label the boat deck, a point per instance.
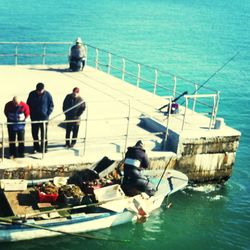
(110, 101)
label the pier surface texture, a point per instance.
(117, 115)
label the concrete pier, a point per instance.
(117, 115)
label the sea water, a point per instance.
(191, 39)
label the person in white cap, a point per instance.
(77, 56)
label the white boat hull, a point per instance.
(123, 211)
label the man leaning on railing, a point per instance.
(41, 106)
(73, 107)
(16, 112)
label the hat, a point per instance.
(76, 90)
(40, 86)
(78, 40)
(139, 144)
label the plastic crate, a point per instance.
(14, 184)
(108, 193)
(72, 200)
(42, 197)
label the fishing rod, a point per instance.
(217, 71)
(165, 169)
(175, 100)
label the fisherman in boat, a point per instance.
(77, 56)
(134, 182)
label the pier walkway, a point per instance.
(117, 115)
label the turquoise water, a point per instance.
(191, 39)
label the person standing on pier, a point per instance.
(16, 112)
(73, 107)
(41, 106)
(134, 182)
(77, 56)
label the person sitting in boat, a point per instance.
(134, 182)
(77, 56)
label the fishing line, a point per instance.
(217, 71)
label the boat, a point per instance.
(112, 208)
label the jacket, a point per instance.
(135, 159)
(16, 114)
(77, 52)
(70, 101)
(41, 106)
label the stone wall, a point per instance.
(207, 159)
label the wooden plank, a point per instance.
(20, 202)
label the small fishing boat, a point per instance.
(112, 207)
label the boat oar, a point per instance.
(68, 208)
(82, 236)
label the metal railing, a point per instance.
(143, 76)
(157, 81)
(84, 139)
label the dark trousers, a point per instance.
(74, 128)
(76, 64)
(134, 182)
(35, 128)
(12, 142)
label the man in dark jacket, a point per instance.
(134, 182)
(16, 112)
(73, 107)
(41, 106)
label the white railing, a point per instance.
(212, 113)
(167, 84)
(86, 138)
(144, 76)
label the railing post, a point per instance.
(86, 54)
(214, 110)
(174, 88)
(43, 139)
(2, 125)
(86, 129)
(156, 78)
(185, 112)
(138, 75)
(109, 62)
(217, 105)
(166, 132)
(16, 55)
(212, 119)
(96, 58)
(194, 100)
(44, 53)
(69, 52)
(123, 68)
(128, 123)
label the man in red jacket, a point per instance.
(16, 112)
